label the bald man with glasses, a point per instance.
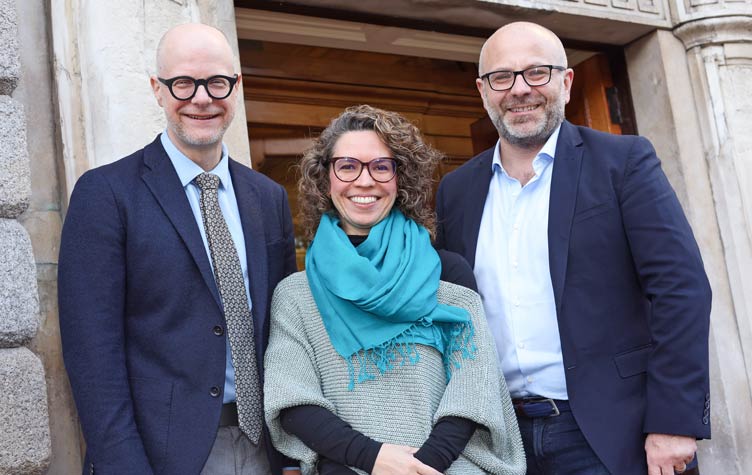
(168, 261)
(591, 279)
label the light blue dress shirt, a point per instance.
(514, 279)
(187, 170)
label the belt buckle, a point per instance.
(540, 400)
(553, 405)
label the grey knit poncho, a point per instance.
(399, 407)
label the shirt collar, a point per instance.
(187, 169)
(548, 151)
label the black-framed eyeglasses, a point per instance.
(183, 88)
(348, 169)
(534, 76)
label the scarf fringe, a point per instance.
(402, 350)
(461, 345)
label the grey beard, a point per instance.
(536, 138)
(185, 137)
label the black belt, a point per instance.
(229, 415)
(539, 407)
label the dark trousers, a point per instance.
(555, 446)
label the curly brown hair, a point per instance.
(416, 162)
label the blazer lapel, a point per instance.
(477, 191)
(248, 200)
(163, 181)
(564, 182)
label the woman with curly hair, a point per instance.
(379, 357)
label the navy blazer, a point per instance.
(632, 298)
(140, 315)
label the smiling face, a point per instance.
(195, 126)
(525, 116)
(363, 203)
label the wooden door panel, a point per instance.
(588, 103)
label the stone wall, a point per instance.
(25, 435)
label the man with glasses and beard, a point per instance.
(168, 261)
(591, 279)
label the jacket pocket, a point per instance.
(593, 211)
(633, 362)
(152, 402)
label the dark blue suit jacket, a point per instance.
(140, 315)
(632, 298)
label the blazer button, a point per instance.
(219, 331)
(214, 391)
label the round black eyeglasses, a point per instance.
(534, 77)
(183, 88)
(349, 169)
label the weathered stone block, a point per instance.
(10, 65)
(15, 177)
(19, 302)
(25, 434)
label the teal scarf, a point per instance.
(381, 297)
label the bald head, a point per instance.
(532, 39)
(189, 40)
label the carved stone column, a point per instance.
(690, 89)
(717, 36)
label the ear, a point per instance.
(568, 78)
(156, 88)
(479, 85)
(238, 85)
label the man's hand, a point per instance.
(668, 453)
(399, 460)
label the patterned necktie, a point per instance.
(229, 278)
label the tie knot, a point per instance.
(207, 181)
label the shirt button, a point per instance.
(529, 379)
(214, 391)
(520, 345)
(219, 331)
(515, 264)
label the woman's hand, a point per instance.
(399, 460)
